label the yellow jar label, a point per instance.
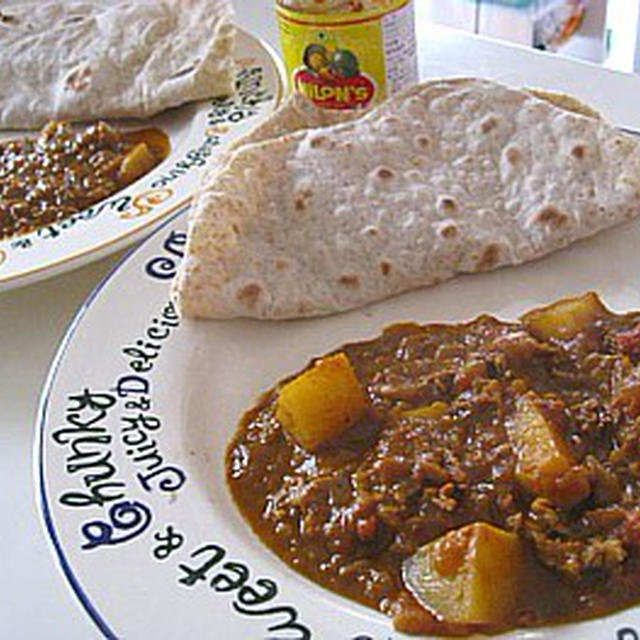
(350, 60)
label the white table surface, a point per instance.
(35, 601)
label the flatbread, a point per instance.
(89, 59)
(570, 103)
(298, 113)
(453, 176)
(295, 114)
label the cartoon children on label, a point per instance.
(331, 76)
(326, 59)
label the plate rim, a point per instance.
(111, 245)
(38, 464)
(39, 461)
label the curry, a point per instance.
(64, 171)
(460, 478)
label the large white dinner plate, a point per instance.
(196, 132)
(136, 415)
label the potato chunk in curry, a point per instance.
(545, 465)
(321, 403)
(566, 318)
(139, 161)
(469, 575)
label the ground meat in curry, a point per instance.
(63, 171)
(348, 513)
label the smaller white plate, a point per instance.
(196, 132)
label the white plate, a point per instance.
(124, 355)
(196, 132)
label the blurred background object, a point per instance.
(601, 31)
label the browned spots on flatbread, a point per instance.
(588, 193)
(513, 155)
(79, 80)
(302, 198)
(5, 18)
(249, 295)
(447, 204)
(322, 141)
(385, 173)
(318, 141)
(389, 123)
(372, 231)
(385, 267)
(235, 228)
(579, 151)
(281, 265)
(552, 216)
(449, 231)
(349, 281)
(488, 124)
(489, 258)
(422, 141)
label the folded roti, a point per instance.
(452, 176)
(295, 114)
(298, 112)
(89, 59)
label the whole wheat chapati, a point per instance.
(89, 59)
(453, 176)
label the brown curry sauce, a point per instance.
(348, 515)
(63, 171)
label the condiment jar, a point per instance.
(348, 54)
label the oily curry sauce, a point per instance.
(530, 427)
(65, 170)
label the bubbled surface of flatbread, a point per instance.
(448, 177)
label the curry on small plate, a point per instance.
(63, 171)
(74, 193)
